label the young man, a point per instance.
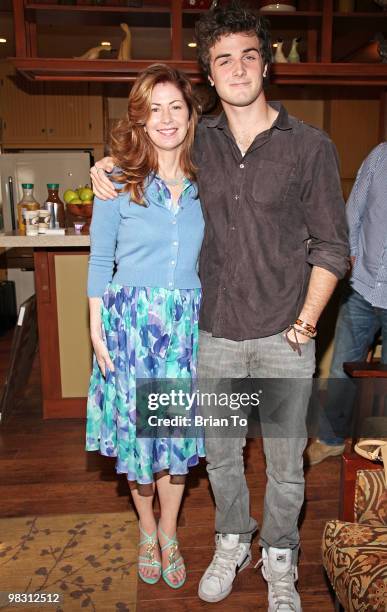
(275, 244)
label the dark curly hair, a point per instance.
(232, 19)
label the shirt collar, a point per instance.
(153, 180)
(282, 121)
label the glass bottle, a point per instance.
(27, 202)
(55, 205)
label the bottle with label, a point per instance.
(55, 205)
(27, 202)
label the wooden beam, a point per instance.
(327, 26)
(311, 39)
(177, 29)
(32, 38)
(19, 27)
(47, 69)
(383, 115)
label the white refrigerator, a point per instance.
(68, 168)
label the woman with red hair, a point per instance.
(144, 295)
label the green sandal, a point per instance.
(149, 559)
(174, 564)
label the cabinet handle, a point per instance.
(51, 130)
(43, 130)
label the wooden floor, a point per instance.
(45, 470)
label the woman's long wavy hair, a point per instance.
(130, 145)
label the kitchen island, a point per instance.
(64, 342)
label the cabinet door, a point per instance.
(22, 108)
(96, 113)
(67, 112)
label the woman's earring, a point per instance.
(265, 72)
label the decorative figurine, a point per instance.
(94, 52)
(382, 46)
(124, 52)
(279, 57)
(294, 56)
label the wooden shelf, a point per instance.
(198, 11)
(43, 69)
(319, 29)
(373, 15)
(86, 8)
(63, 69)
(293, 14)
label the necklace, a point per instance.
(173, 182)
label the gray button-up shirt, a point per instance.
(270, 216)
(367, 220)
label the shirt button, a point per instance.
(379, 284)
(233, 227)
(175, 243)
(241, 165)
(174, 222)
(173, 262)
(236, 197)
(170, 284)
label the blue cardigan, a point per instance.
(151, 246)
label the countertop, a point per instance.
(70, 239)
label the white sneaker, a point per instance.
(281, 575)
(231, 556)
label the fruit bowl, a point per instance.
(79, 212)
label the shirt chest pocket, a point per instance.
(272, 182)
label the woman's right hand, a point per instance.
(102, 355)
(102, 185)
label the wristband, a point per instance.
(304, 332)
(307, 327)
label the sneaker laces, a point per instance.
(223, 562)
(282, 585)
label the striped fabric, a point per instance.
(367, 220)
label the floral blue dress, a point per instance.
(150, 332)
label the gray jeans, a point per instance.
(263, 358)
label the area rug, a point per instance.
(89, 559)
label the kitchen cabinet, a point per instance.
(49, 114)
(22, 108)
(62, 308)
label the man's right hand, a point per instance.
(102, 185)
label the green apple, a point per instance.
(86, 194)
(76, 201)
(70, 195)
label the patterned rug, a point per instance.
(89, 559)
